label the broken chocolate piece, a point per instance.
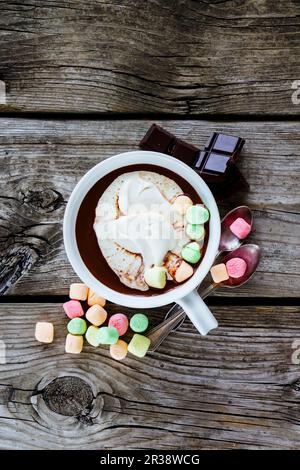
(215, 164)
(160, 140)
(185, 152)
(157, 139)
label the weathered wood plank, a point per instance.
(156, 56)
(41, 161)
(235, 388)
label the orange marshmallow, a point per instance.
(183, 272)
(44, 332)
(94, 298)
(74, 344)
(78, 291)
(118, 351)
(96, 315)
(219, 273)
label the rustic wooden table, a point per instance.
(84, 80)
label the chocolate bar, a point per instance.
(215, 164)
(212, 163)
(158, 139)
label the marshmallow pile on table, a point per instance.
(91, 325)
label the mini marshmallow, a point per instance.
(197, 214)
(78, 291)
(191, 252)
(107, 335)
(156, 277)
(139, 323)
(195, 232)
(94, 298)
(77, 326)
(44, 332)
(139, 345)
(118, 351)
(91, 336)
(181, 204)
(236, 267)
(240, 228)
(73, 309)
(120, 322)
(183, 272)
(96, 315)
(74, 344)
(219, 273)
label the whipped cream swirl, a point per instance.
(144, 226)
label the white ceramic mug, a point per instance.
(186, 294)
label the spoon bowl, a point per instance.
(229, 241)
(251, 255)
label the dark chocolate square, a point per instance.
(216, 163)
(157, 139)
(185, 152)
(226, 143)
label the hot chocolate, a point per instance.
(131, 225)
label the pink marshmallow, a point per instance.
(73, 309)
(236, 267)
(240, 228)
(120, 322)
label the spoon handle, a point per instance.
(160, 332)
(208, 290)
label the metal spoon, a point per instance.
(250, 253)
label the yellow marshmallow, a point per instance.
(182, 203)
(78, 291)
(74, 344)
(44, 332)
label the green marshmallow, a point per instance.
(156, 277)
(77, 326)
(195, 232)
(139, 323)
(191, 252)
(107, 335)
(139, 345)
(91, 336)
(197, 214)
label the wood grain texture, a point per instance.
(41, 161)
(235, 388)
(179, 56)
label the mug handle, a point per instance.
(198, 312)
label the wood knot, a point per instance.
(69, 396)
(15, 262)
(43, 200)
(295, 386)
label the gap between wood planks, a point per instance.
(211, 301)
(146, 116)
